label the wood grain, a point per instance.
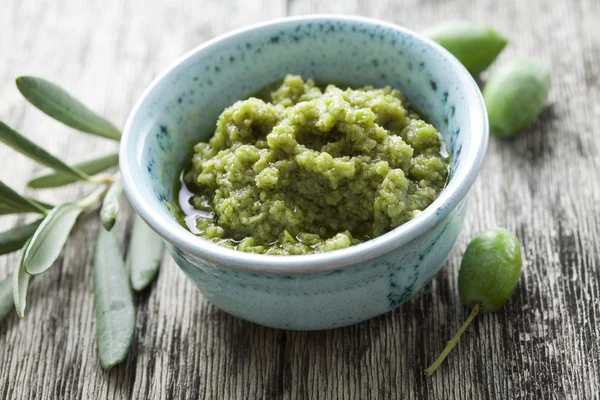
(544, 185)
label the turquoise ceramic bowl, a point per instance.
(316, 291)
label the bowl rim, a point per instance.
(449, 198)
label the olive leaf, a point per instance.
(47, 242)
(115, 312)
(60, 105)
(90, 167)
(20, 284)
(45, 205)
(111, 203)
(26, 147)
(12, 202)
(7, 304)
(13, 239)
(5, 210)
(144, 255)
(8, 209)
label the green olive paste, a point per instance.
(312, 170)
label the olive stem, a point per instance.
(92, 199)
(101, 178)
(431, 369)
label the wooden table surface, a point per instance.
(543, 185)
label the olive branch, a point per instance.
(40, 243)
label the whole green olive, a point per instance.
(515, 94)
(488, 275)
(490, 269)
(474, 44)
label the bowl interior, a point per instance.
(182, 106)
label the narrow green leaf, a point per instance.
(26, 147)
(44, 205)
(50, 237)
(115, 312)
(5, 210)
(12, 202)
(110, 206)
(20, 284)
(144, 255)
(14, 239)
(91, 167)
(60, 105)
(7, 302)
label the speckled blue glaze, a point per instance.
(316, 291)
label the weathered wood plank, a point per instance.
(543, 344)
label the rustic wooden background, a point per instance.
(544, 185)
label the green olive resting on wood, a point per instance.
(514, 96)
(474, 44)
(488, 275)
